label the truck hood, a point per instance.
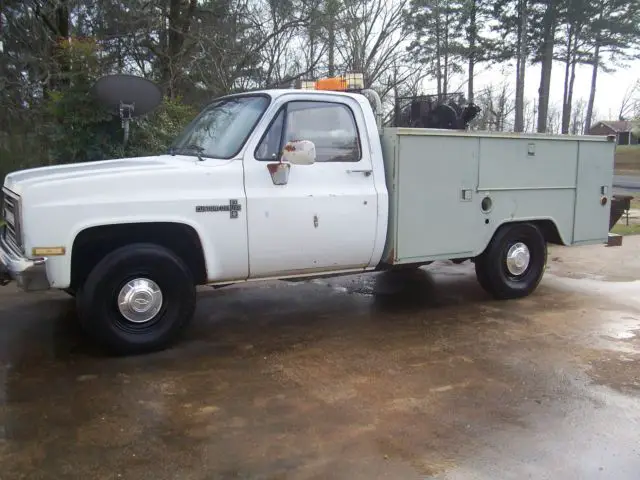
(18, 181)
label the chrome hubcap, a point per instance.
(518, 258)
(140, 300)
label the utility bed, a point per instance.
(450, 190)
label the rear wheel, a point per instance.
(514, 262)
(137, 299)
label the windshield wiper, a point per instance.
(188, 150)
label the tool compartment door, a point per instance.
(594, 181)
(436, 199)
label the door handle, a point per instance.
(366, 172)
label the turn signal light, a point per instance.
(48, 251)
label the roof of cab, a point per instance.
(278, 92)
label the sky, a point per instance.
(611, 87)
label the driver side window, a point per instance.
(330, 126)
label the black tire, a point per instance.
(98, 299)
(491, 267)
(481, 275)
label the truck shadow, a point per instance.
(418, 289)
(283, 315)
(275, 316)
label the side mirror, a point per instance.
(299, 152)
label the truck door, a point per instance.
(324, 217)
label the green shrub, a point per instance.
(153, 134)
(79, 129)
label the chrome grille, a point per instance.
(11, 215)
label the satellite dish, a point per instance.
(127, 96)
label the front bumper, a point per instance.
(29, 273)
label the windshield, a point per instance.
(221, 129)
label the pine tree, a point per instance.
(614, 35)
(435, 34)
(475, 46)
(547, 13)
(513, 26)
(573, 49)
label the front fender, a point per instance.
(59, 267)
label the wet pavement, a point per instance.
(402, 375)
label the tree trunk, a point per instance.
(331, 45)
(592, 93)
(472, 64)
(472, 50)
(331, 36)
(570, 98)
(521, 65)
(549, 28)
(62, 19)
(438, 54)
(179, 25)
(169, 54)
(62, 64)
(163, 40)
(312, 47)
(566, 103)
(445, 83)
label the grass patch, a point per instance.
(621, 229)
(628, 159)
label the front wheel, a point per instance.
(514, 262)
(137, 299)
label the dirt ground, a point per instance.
(402, 376)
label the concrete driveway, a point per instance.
(402, 376)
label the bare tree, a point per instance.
(630, 102)
(372, 37)
(530, 114)
(554, 119)
(577, 119)
(497, 107)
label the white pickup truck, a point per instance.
(288, 184)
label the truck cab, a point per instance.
(329, 216)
